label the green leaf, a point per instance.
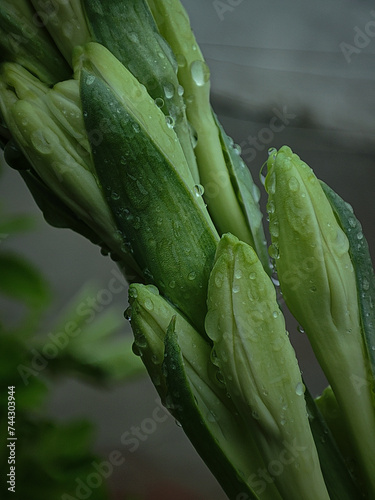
(22, 281)
(158, 215)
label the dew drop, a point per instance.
(181, 60)
(200, 73)
(272, 151)
(198, 190)
(192, 276)
(133, 37)
(90, 79)
(170, 121)
(169, 90)
(300, 329)
(255, 415)
(299, 389)
(149, 305)
(172, 284)
(273, 251)
(153, 289)
(235, 289)
(252, 276)
(293, 184)
(159, 102)
(238, 274)
(237, 149)
(115, 196)
(180, 90)
(219, 279)
(360, 236)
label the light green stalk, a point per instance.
(319, 286)
(220, 428)
(229, 191)
(260, 369)
(25, 41)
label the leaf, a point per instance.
(22, 281)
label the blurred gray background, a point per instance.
(313, 63)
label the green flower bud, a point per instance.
(229, 191)
(25, 41)
(316, 275)
(48, 126)
(66, 23)
(128, 30)
(147, 183)
(219, 428)
(259, 365)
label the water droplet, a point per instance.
(235, 289)
(237, 149)
(149, 305)
(133, 37)
(352, 222)
(133, 293)
(198, 190)
(128, 313)
(159, 102)
(115, 196)
(293, 184)
(168, 90)
(136, 127)
(181, 60)
(200, 73)
(172, 284)
(313, 289)
(219, 279)
(192, 276)
(360, 236)
(178, 423)
(255, 415)
(282, 421)
(273, 251)
(170, 121)
(300, 329)
(365, 284)
(90, 79)
(275, 314)
(300, 389)
(180, 90)
(272, 152)
(211, 417)
(238, 274)
(252, 276)
(274, 228)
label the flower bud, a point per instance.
(48, 126)
(259, 366)
(197, 394)
(23, 39)
(318, 282)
